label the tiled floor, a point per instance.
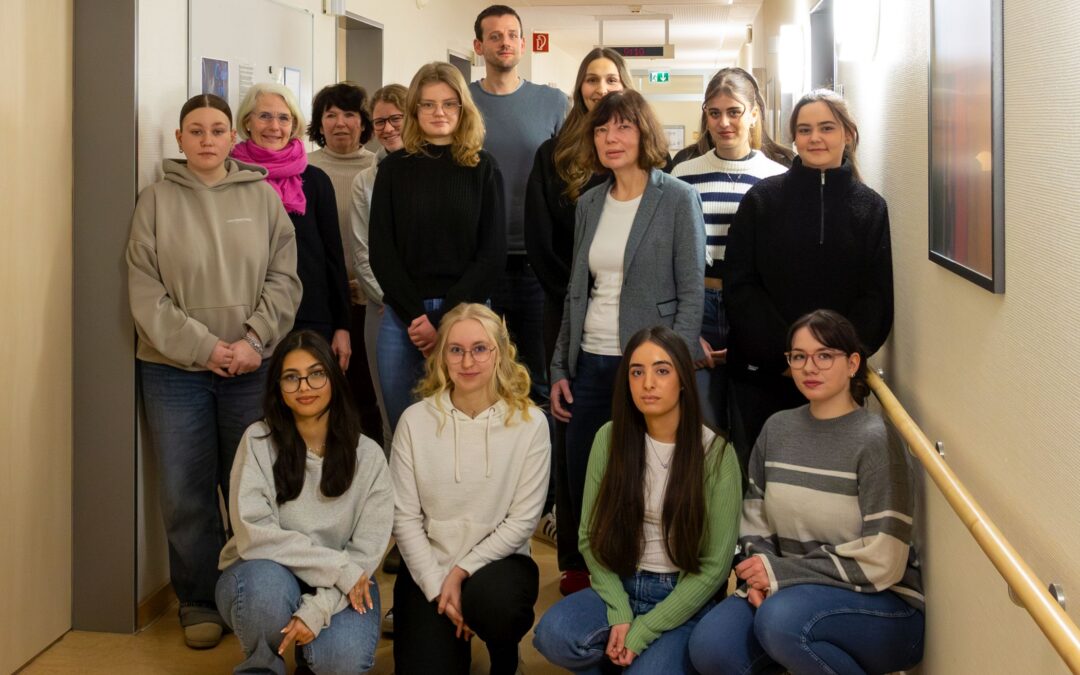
(160, 648)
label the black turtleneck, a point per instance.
(805, 240)
(437, 229)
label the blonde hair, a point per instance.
(247, 106)
(510, 380)
(468, 138)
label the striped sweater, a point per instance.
(830, 502)
(722, 184)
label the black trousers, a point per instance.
(497, 603)
(756, 399)
(359, 376)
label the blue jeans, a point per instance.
(592, 388)
(257, 599)
(810, 628)
(195, 420)
(519, 298)
(712, 383)
(574, 633)
(400, 363)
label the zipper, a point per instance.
(821, 237)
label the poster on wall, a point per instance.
(967, 181)
(215, 77)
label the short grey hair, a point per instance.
(251, 98)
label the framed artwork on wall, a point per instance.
(967, 140)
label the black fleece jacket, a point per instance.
(805, 240)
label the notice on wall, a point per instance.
(215, 77)
(246, 77)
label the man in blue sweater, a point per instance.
(519, 116)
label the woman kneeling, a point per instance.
(470, 464)
(657, 557)
(830, 581)
(311, 508)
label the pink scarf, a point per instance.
(285, 167)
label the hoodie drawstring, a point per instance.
(487, 443)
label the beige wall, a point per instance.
(993, 376)
(35, 300)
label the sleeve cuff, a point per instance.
(262, 329)
(205, 349)
(350, 574)
(312, 618)
(638, 638)
(431, 585)
(774, 585)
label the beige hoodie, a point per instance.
(206, 263)
(467, 490)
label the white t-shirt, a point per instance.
(601, 334)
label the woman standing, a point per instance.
(271, 122)
(734, 164)
(814, 237)
(213, 287)
(470, 467)
(639, 258)
(311, 508)
(341, 125)
(554, 186)
(387, 106)
(829, 581)
(659, 523)
(437, 233)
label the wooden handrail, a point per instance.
(1055, 624)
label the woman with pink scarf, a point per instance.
(271, 124)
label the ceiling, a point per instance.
(707, 34)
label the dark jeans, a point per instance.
(756, 400)
(519, 298)
(809, 628)
(360, 380)
(712, 383)
(592, 389)
(196, 420)
(566, 537)
(497, 603)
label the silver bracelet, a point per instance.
(249, 337)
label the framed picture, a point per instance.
(967, 143)
(676, 136)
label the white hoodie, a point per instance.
(467, 491)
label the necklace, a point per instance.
(318, 450)
(656, 453)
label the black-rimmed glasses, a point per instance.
(290, 384)
(823, 359)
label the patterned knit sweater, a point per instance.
(830, 502)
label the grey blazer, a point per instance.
(663, 268)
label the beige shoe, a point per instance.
(203, 635)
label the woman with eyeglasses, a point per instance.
(556, 182)
(213, 288)
(828, 579)
(271, 124)
(814, 237)
(311, 506)
(437, 234)
(470, 467)
(738, 157)
(387, 118)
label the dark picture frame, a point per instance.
(967, 140)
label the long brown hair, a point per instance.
(841, 112)
(742, 86)
(468, 137)
(628, 106)
(615, 528)
(566, 158)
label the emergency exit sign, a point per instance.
(659, 76)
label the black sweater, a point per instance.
(320, 258)
(549, 221)
(805, 240)
(437, 230)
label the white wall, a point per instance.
(993, 376)
(36, 337)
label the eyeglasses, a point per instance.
(448, 107)
(823, 359)
(316, 379)
(733, 114)
(394, 121)
(282, 119)
(480, 353)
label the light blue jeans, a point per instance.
(574, 633)
(257, 599)
(809, 628)
(400, 363)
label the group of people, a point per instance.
(521, 305)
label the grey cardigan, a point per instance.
(663, 268)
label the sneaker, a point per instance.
(205, 635)
(573, 581)
(388, 622)
(545, 529)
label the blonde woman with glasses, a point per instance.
(437, 234)
(470, 468)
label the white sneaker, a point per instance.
(546, 528)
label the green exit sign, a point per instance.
(659, 76)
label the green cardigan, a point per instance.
(723, 494)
